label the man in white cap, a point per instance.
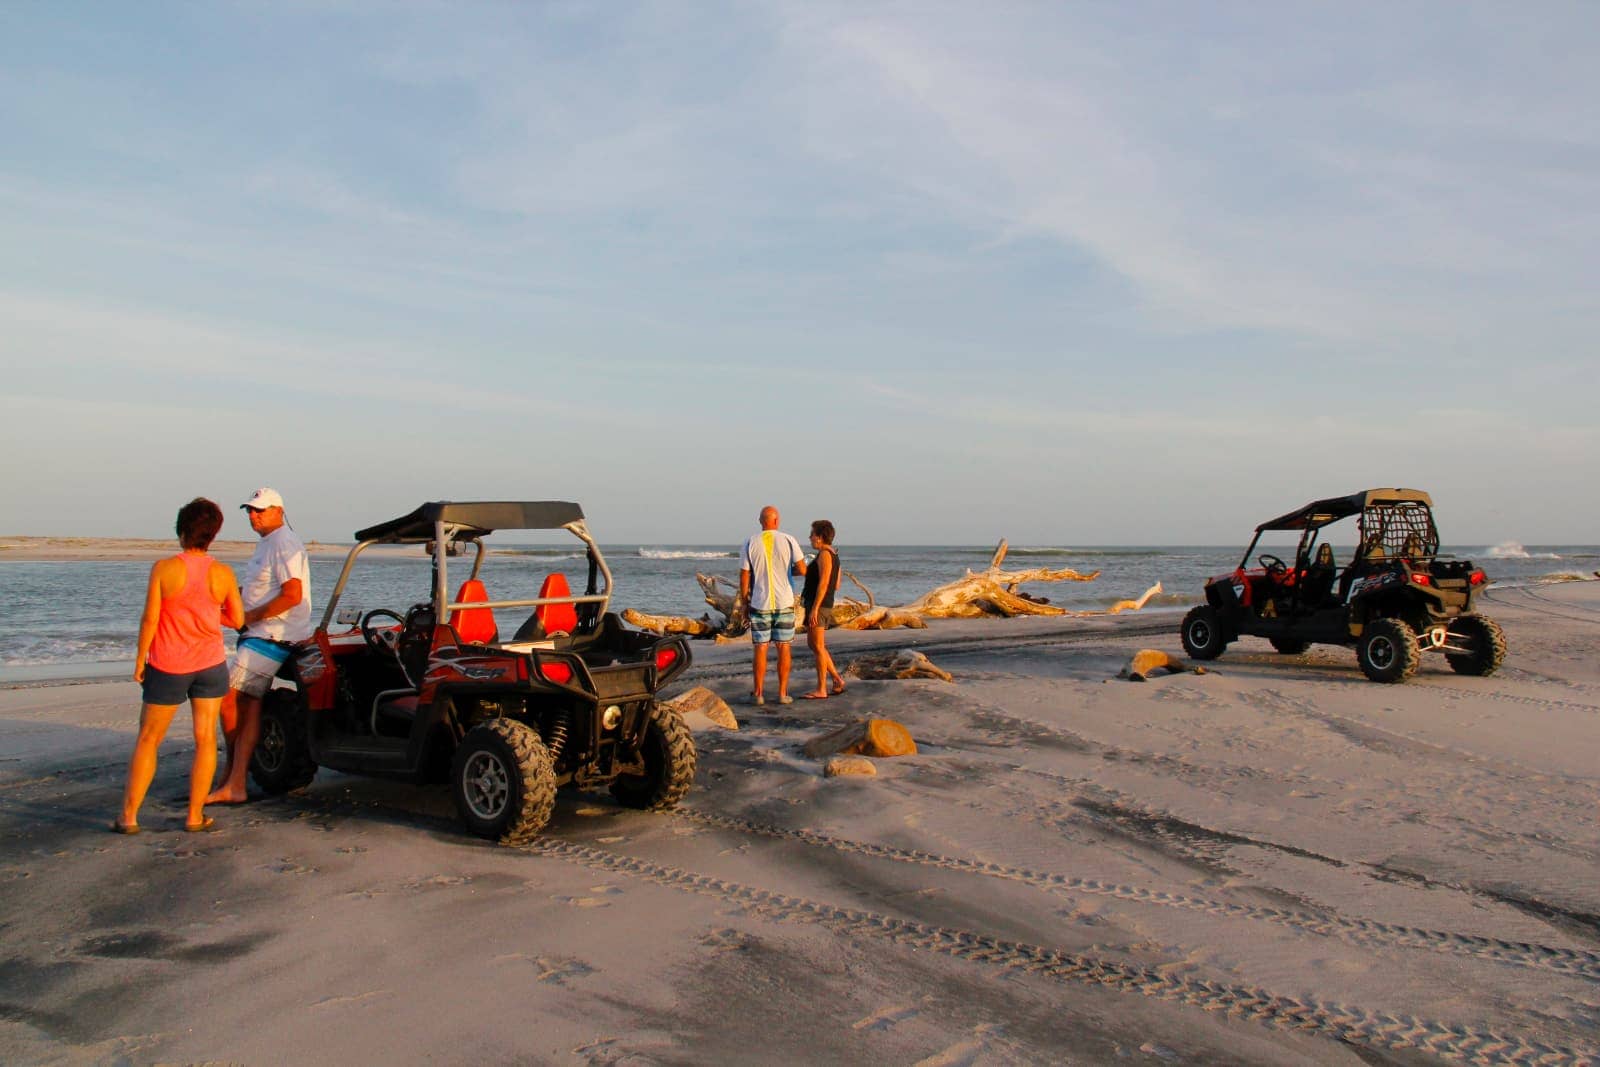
(276, 592)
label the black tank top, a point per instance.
(808, 594)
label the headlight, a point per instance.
(611, 717)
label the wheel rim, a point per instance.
(1199, 634)
(270, 748)
(1380, 652)
(486, 785)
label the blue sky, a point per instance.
(1064, 273)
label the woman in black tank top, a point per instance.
(822, 581)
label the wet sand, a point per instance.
(1273, 862)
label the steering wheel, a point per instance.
(1275, 567)
(381, 643)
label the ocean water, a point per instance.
(63, 616)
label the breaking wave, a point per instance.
(685, 553)
(541, 553)
(1514, 550)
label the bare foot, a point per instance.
(228, 796)
(838, 687)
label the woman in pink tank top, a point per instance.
(181, 656)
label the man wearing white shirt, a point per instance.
(765, 563)
(276, 592)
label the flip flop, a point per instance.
(786, 699)
(204, 826)
(838, 689)
(813, 696)
(124, 828)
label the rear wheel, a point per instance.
(282, 759)
(1289, 646)
(503, 781)
(1388, 651)
(669, 764)
(1485, 644)
(1202, 633)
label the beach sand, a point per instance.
(1274, 862)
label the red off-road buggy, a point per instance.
(434, 691)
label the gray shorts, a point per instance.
(170, 690)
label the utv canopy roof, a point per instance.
(474, 519)
(1322, 512)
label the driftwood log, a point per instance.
(670, 624)
(981, 594)
(906, 663)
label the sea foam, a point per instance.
(674, 553)
(1514, 550)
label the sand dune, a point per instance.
(1274, 862)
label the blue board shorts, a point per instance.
(173, 689)
(255, 664)
(772, 626)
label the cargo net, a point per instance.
(1402, 530)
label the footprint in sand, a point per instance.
(557, 969)
(725, 940)
(965, 1053)
(288, 867)
(594, 899)
(885, 1018)
(438, 881)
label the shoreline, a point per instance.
(940, 633)
(122, 549)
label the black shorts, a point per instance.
(163, 688)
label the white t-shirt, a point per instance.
(279, 557)
(770, 557)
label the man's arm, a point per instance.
(289, 594)
(799, 567)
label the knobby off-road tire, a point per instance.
(282, 759)
(1388, 651)
(1202, 633)
(1488, 644)
(503, 782)
(1289, 646)
(669, 764)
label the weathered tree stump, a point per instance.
(864, 737)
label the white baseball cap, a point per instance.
(264, 498)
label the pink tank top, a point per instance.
(189, 631)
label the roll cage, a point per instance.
(1394, 523)
(446, 526)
